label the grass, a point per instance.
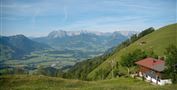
(157, 41)
(27, 82)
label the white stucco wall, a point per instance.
(161, 82)
(148, 78)
(165, 81)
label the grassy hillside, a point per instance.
(157, 41)
(26, 82)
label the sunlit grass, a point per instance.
(26, 82)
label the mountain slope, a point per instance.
(17, 46)
(157, 41)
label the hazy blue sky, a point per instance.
(39, 17)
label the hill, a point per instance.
(156, 41)
(17, 46)
(26, 82)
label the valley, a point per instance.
(52, 58)
(59, 50)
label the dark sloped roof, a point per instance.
(151, 74)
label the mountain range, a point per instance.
(77, 40)
(85, 42)
(63, 33)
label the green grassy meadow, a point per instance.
(28, 82)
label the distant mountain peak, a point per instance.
(62, 33)
(19, 35)
(56, 34)
(127, 33)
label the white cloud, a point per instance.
(107, 23)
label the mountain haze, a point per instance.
(77, 40)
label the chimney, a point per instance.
(154, 60)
